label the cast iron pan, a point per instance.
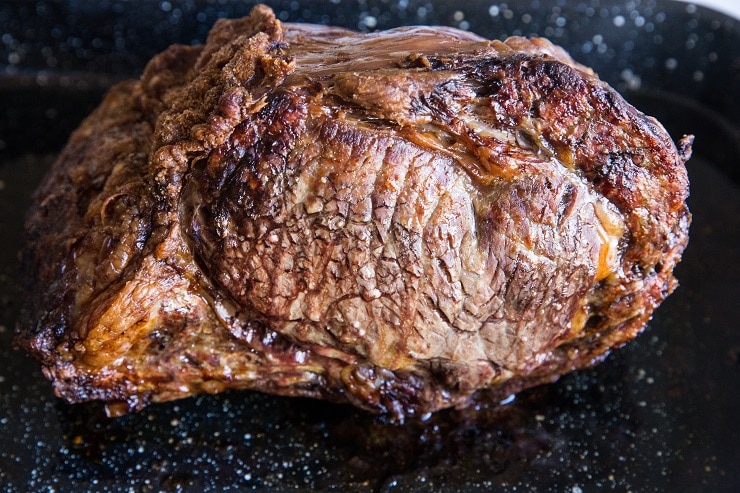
(659, 415)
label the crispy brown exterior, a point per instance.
(395, 220)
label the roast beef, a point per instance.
(399, 220)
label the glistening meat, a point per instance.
(401, 220)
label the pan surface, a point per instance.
(658, 415)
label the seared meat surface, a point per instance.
(397, 220)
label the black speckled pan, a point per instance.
(660, 415)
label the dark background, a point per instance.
(658, 415)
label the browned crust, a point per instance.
(126, 302)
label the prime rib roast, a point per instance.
(400, 220)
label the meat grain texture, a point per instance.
(399, 220)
